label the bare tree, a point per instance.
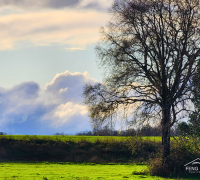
(149, 51)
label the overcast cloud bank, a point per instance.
(26, 109)
(39, 3)
(70, 25)
(71, 28)
(58, 4)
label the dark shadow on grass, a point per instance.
(140, 173)
(185, 176)
(65, 163)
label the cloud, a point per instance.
(61, 3)
(68, 86)
(57, 4)
(75, 49)
(96, 4)
(64, 113)
(73, 28)
(26, 90)
(18, 102)
(39, 3)
(26, 109)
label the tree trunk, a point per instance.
(166, 135)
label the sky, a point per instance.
(47, 55)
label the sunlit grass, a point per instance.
(78, 138)
(53, 171)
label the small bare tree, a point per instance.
(149, 50)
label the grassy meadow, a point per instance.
(71, 171)
(78, 138)
(85, 157)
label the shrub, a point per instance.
(182, 152)
(143, 150)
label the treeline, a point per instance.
(144, 131)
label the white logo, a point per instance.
(193, 166)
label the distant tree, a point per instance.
(149, 51)
(105, 131)
(60, 134)
(148, 130)
(85, 133)
(194, 119)
(192, 127)
(128, 132)
(191, 131)
(184, 129)
(194, 124)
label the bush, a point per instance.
(182, 152)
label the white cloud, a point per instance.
(69, 109)
(63, 113)
(65, 90)
(68, 86)
(75, 28)
(75, 49)
(56, 107)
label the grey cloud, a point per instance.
(24, 108)
(39, 3)
(54, 4)
(11, 98)
(95, 5)
(26, 90)
(28, 121)
(61, 3)
(17, 2)
(18, 102)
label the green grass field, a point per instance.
(54, 171)
(78, 138)
(22, 157)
